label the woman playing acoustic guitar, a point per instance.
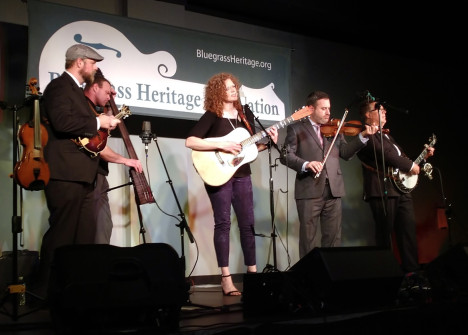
(224, 114)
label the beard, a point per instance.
(88, 77)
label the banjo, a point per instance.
(405, 182)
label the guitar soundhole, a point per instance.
(236, 161)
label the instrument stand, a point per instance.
(17, 290)
(140, 216)
(183, 222)
(272, 203)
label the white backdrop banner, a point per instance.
(156, 69)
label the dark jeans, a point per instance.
(238, 192)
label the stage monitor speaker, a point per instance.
(349, 278)
(448, 274)
(268, 294)
(101, 288)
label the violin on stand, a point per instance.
(32, 171)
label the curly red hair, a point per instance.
(215, 93)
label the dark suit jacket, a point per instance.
(68, 116)
(302, 144)
(392, 159)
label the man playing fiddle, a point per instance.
(318, 199)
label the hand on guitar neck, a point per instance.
(97, 143)
(108, 122)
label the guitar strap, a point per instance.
(244, 119)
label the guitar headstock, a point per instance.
(124, 112)
(302, 113)
(432, 140)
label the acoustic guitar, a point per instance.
(217, 167)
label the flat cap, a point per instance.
(82, 51)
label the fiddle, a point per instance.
(32, 171)
(349, 128)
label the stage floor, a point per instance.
(209, 312)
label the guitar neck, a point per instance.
(424, 152)
(420, 157)
(258, 136)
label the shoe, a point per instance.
(230, 293)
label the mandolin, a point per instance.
(32, 171)
(98, 142)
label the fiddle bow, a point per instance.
(333, 142)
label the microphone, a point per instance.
(377, 106)
(397, 109)
(390, 107)
(146, 135)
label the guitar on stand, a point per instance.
(31, 173)
(405, 182)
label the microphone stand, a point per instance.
(183, 222)
(272, 206)
(384, 200)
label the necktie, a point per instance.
(319, 134)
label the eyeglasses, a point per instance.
(231, 87)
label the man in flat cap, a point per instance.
(69, 192)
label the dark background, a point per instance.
(418, 30)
